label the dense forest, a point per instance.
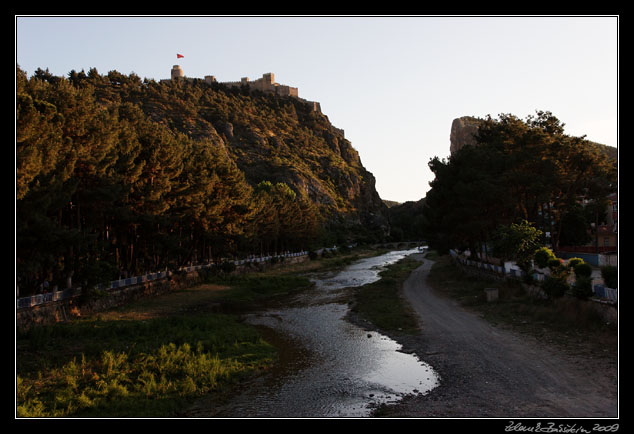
(519, 171)
(406, 221)
(115, 174)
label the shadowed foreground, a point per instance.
(489, 372)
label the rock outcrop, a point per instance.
(462, 132)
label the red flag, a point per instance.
(178, 56)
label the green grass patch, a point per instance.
(381, 302)
(248, 290)
(122, 368)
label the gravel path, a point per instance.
(489, 372)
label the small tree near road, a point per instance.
(518, 242)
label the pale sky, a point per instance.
(394, 84)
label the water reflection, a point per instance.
(351, 370)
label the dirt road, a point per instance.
(489, 372)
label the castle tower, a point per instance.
(177, 72)
(268, 78)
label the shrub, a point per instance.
(554, 263)
(542, 256)
(582, 269)
(573, 262)
(555, 286)
(610, 276)
(312, 255)
(583, 287)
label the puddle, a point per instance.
(349, 371)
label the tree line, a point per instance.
(104, 187)
(519, 171)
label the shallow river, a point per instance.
(330, 367)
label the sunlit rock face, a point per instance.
(462, 132)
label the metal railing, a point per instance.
(49, 297)
(602, 291)
(38, 299)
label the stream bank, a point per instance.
(329, 366)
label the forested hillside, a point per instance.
(406, 221)
(118, 174)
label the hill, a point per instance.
(116, 174)
(277, 139)
(406, 221)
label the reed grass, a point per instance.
(133, 368)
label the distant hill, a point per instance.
(406, 221)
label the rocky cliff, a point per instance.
(462, 131)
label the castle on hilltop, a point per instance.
(265, 84)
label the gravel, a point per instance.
(490, 372)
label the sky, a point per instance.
(394, 84)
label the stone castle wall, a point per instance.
(266, 84)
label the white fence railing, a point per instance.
(34, 300)
(612, 259)
(605, 292)
(510, 269)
